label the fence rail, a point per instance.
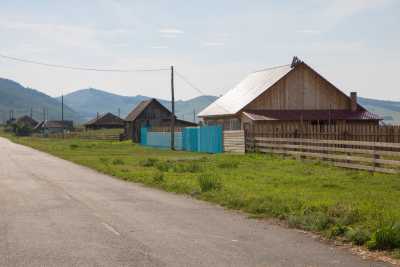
(88, 136)
(354, 132)
(371, 156)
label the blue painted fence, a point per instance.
(159, 139)
(206, 139)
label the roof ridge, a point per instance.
(271, 68)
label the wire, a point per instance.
(200, 91)
(77, 68)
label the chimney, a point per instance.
(353, 97)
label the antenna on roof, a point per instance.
(296, 61)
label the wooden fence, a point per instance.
(88, 136)
(371, 156)
(234, 141)
(354, 132)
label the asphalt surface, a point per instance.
(56, 213)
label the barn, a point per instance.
(105, 121)
(292, 95)
(150, 113)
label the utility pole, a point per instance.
(62, 114)
(194, 115)
(119, 112)
(173, 110)
(31, 112)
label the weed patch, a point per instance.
(209, 182)
(118, 162)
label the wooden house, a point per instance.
(294, 95)
(51, 127)
(150, 113)
(27, 121)
(105, 121)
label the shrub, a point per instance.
(104, 160)
(158, 177)
(209, 182)
(189, 167)
(385, 237)
(163, 166)
(73, 146)
(22, 130)
(149, 162)
(118, 162)
(357, 236)
(228, 164)
(337, 230)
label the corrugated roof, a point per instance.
(246, 91)
(293, 115)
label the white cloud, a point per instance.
(171, 31)
(213, 44)
(343, 8)
(159, 47)
(170, 36)
(309, 31)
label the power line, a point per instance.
(198, 90)
(77, 68)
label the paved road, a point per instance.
(56, 213)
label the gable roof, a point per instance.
(135, 113)
(253, 86)
(106, 118)
(246, 91)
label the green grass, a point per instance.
(357, 206)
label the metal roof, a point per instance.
(294, 115)
(245, 92)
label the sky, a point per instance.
(213, 43)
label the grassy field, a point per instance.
(354, 206)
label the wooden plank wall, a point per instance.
(234, 141)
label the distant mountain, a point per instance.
(14, 97)
(90, 101)
(83, 105)
(388, 110)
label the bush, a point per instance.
(385, 237)
(104, 160)
(209, 182)
(189, 167)
(73, 146)
(357, 236)
(23, 130)
(228, 164)
(337, 230)
(118, 162)
(149, 162)
(163, 166)
(158, 177)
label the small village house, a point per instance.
(54, 127)
(105, 121)
(292, 95)
(150, 113)
(26, 121)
